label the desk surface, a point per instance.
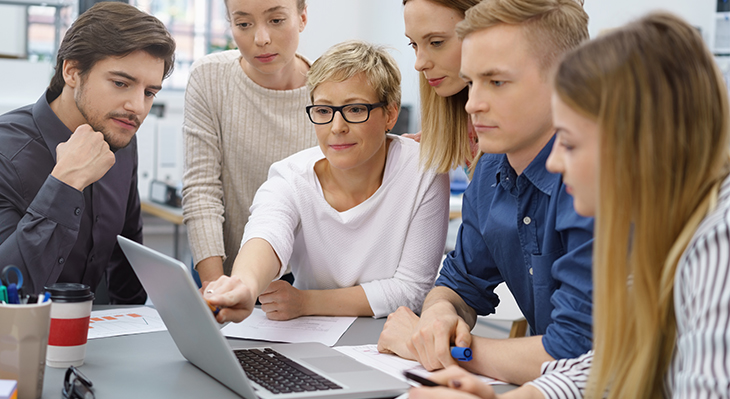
(150, 366)
(166, 212)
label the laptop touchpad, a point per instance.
(336, 364)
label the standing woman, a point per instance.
(447, 138)
(642, 118)
(243, 112)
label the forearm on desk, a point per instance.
(350, 301)
(514, 360)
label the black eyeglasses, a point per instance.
(76, 385)
(351, 113)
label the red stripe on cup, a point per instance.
(69, 332)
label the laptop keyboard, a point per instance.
(279, 374)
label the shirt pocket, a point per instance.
(541, 270)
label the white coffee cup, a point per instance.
(23, 340)
(70, 313)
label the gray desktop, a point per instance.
(149, 366)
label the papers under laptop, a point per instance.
(311, 370)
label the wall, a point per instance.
(22, 82)
(12, 30)
(607, 14)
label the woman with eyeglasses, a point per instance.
(359, 223)
(642, 119)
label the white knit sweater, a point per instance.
(391, 244)
(234, 130)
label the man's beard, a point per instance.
(97, 124)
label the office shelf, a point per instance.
(57, 4)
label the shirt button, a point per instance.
(530, 271)
(61, 260)
(526, 220)
(77, 211)
(96, 219)
(91, 258)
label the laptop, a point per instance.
(319, 371)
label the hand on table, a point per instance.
(234, 298)
(458, 383)
(439, 328)
(281, 301)
(397, 331)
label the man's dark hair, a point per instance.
(111, 29)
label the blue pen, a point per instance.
(13, 294)
(461, 354)
(46, 296)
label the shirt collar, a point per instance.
(53, 131)
(536, 172)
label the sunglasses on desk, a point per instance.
(76, 385)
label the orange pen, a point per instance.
(213, 309)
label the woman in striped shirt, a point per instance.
(642, 122)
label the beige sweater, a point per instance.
(234, 130)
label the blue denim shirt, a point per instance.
(524, 231)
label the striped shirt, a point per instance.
(701, 364)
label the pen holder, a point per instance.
(23, 341)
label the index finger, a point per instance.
(442, 349)
(233, 314)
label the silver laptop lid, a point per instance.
(197, 335)
(186, 315)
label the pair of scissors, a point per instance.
(11, 293)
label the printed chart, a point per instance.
(326, 330)
(126, 321)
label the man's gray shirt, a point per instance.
(50, 230)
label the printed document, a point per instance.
(392, 364)
(324, 329)
(124, 321)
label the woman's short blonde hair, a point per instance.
(345, 60)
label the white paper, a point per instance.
(124, 321)
(324, 329)
(392, 364)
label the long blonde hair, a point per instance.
(444, 122)
(662, 110)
